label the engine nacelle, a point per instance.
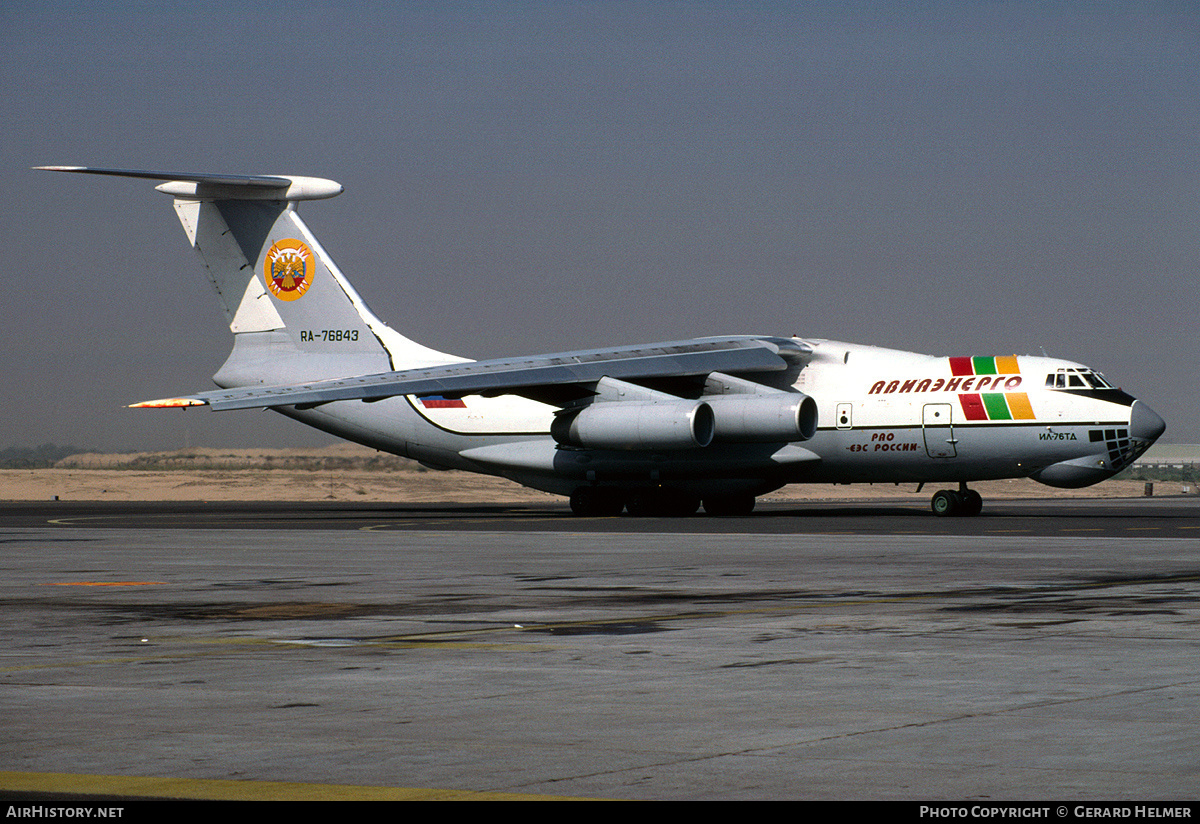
(768, 418)
(681, 424)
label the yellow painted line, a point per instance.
(134, 787)
(224, 644)
(422, 645)
(105, 584)
(92, 662)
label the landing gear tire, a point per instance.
(682, 505)
(729, 505)
(662, 504)
(947, 502)
(972, 502)
(596, 503)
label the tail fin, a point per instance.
(294, 316)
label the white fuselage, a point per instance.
(884, 416)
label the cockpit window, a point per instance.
(1069, 378)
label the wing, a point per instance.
(556, 378)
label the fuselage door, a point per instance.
(939, 430)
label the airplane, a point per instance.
(655, 429)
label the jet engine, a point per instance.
(769, 418)
(682, 424)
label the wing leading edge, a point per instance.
(541, 376)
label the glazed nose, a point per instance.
(1144, 423)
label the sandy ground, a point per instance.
(352, 473)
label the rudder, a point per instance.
(293, 315)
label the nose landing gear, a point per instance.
(961, 501)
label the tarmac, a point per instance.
(1044, 650)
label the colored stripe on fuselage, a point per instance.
(997, 406)
(999, 365)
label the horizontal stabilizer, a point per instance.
(190, 185)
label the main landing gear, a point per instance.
(598, 502)
(961, 501)
(729, 505)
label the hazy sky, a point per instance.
(952, 178)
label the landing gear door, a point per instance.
(939, 430)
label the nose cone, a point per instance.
(1145, 424)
